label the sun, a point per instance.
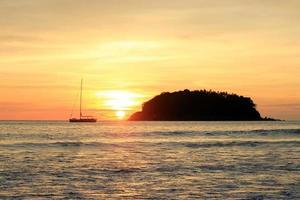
(119, 102)
(120, 114)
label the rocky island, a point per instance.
(199, 105)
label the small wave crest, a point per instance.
(158, 143)
(229, 133)
(53, 144)
(240, 143)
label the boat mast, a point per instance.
(81, 99)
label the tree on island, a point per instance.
(199, 105)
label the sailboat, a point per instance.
(82, 118)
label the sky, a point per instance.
(127, 51)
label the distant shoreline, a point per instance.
(64, 120)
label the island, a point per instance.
(198, 105)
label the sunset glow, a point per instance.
(120, 114)
(119, 102)
(130, 51)
(149, 99)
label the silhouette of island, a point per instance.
(199, 105)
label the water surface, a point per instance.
(149, 160)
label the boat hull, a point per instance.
(82, 120)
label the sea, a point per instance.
(150, 160)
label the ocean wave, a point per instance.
(170, 144)
(240, 143)
(50, 144)
(229, 133)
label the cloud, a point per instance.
(249, 46)
(291, 105)
(19, 38)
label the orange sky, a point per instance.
(129, 50)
